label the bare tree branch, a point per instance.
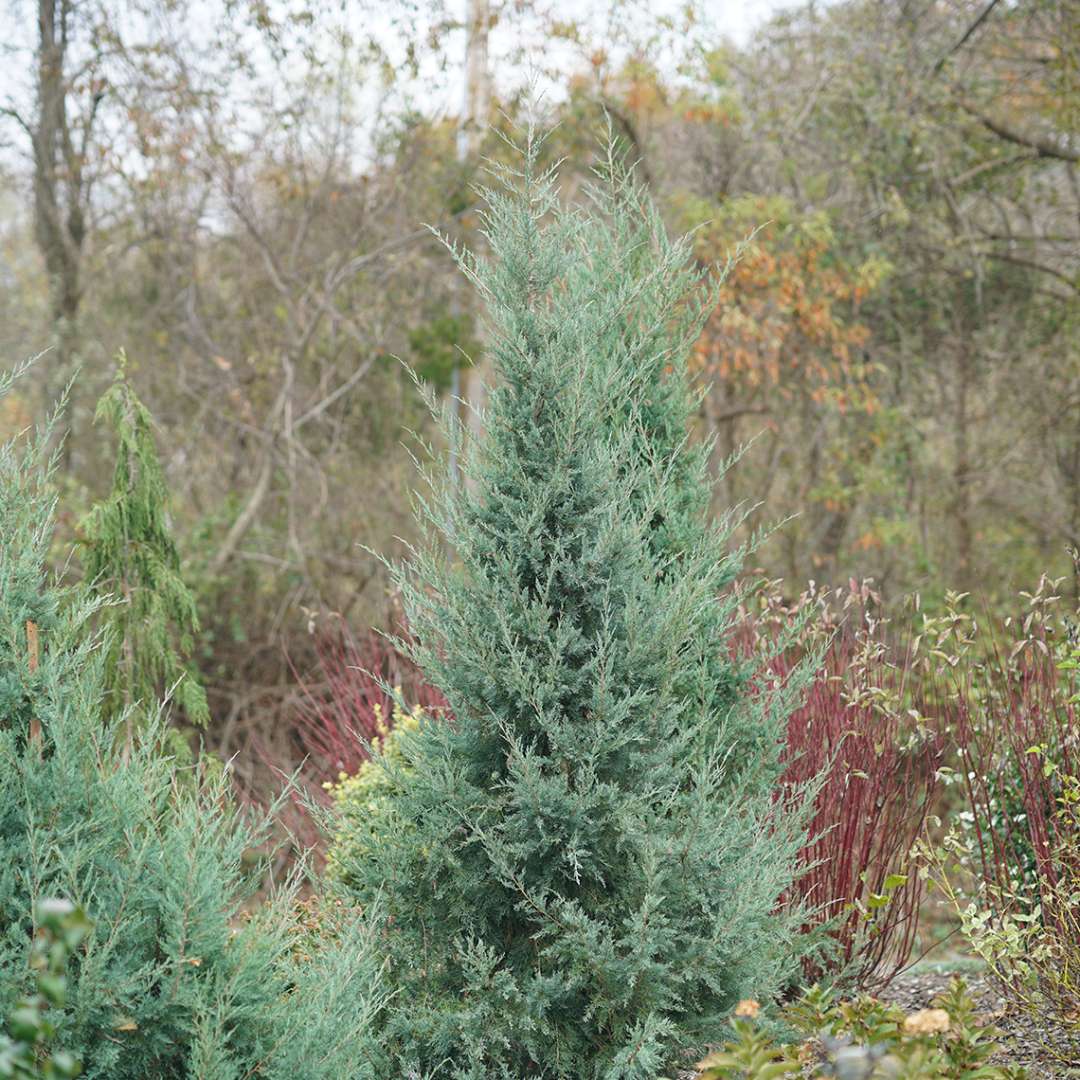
(246, 517)
(968, 33)
(1043, 147)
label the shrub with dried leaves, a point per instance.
(864, 1039)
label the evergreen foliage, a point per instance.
(668, 298)
(150, 622)
(357, 823)
(173, 980)
(581, 871)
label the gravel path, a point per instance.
(1025, 1040)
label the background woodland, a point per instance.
(237, 192)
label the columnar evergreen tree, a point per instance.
(581, 871)
(172, 981)
(150, 623)
(668, 302)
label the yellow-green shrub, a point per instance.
(362, 802)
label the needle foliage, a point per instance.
(150, 622)
(581, 867)
(174, 980)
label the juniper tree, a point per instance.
(150, 622)
(667, 297)
(173, 980)
(580, 879)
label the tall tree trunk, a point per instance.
(474, 117)
(961, 502)
(60, 191)
(477, 100)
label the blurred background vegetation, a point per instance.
(237, 193)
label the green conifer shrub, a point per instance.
(668, 297)
(130, 557)
(581, 870)
(359, 800)
(173, 980)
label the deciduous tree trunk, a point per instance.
(961, 503)
(470, 137)
(61, 189)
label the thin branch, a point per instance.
(989, 166)
(1030, 264)
(737, 411)
(8, 110)
(971, 30)
(360, 261)
(318, 409)
(247, 516)
(1044, 147)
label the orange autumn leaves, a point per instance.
(787, 321)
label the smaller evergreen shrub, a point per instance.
(174, 980)
(149, 621)
(364, 802)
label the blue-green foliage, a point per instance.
(173, 980)
(663, 298)
(581, 871)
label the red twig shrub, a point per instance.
(880, 782)
(343, 696)
(862, 732)
(1011, 864)
(279, 710)
(1013, 707)
(1016, 737)
(323, 727)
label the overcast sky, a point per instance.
(532, 50)
(438, 91)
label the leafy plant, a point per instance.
(751, 1053)
(24, 1051)
(864, 1039)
